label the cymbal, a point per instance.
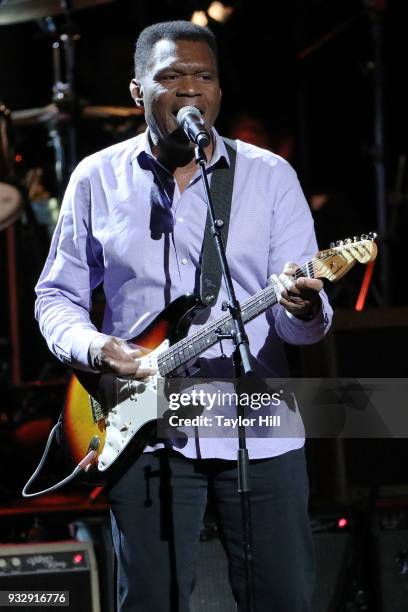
(31, 116)
(105, 112)
(43, 114)
(18, 11)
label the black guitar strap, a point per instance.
(222, 183)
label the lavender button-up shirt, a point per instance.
(125, 224)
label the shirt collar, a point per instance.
(219, 158)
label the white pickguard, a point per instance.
(134, 403)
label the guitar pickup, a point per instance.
(97, 411)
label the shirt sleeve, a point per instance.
(72, 270)
(293, 239)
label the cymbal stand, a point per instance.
(7, 172)
(61, 128)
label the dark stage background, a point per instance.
(298, 77)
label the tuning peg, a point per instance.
(372, 235)
(363, 237)
(332, 245)
(348, 241)
(356, 238)
(340, 243)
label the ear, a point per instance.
(136, 91)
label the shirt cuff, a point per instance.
(321, 319)
(295, 331)
(80, 349)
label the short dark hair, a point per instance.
(169, 30)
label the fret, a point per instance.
(178, 356)
(189, 349)
(201, 342)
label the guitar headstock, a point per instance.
(336, 261)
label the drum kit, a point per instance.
(23, 197)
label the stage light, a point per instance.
(219, 12)
(199, 18)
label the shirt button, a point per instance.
(180, 219)
(184, 261)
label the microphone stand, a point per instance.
(242, 367)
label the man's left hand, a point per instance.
(299, 296)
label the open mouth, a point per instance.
(175, 112)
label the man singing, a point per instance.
(133, 219)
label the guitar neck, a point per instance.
(190, 347)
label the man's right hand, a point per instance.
(112, 355)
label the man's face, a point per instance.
(180, 73)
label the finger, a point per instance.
(137, 347)
(138, 353)
(140, 374)
(292, 302)
(287, 282)
(127, 367)
(294, 299)
(143, 373)
(119, 367)
(315, 284)
(122, 351)
(277, 286)
(129, 347)
(309, 286)
(290, 268)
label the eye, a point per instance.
(169, 76)
(205, 76)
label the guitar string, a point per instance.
(178, 349)
(196, 338)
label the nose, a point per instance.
(189, 86)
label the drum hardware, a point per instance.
(62, 133)
(58, 119)
(19, 11)
(44, 206)
(34, 116)
(11, 203)
(111, 112)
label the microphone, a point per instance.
(190, 120)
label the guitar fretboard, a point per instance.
(190, 347)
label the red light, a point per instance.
(18, 158)
(78, 558)
(341, 523)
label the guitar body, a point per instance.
(83, 421)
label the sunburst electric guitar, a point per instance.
(104, 416)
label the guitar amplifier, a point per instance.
(51, 567)
(332, 550)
